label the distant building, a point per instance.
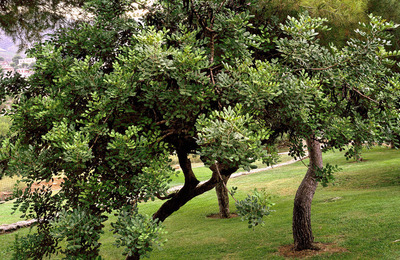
(7, 68)
(25, 72)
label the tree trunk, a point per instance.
(223, 197)
(357, 150)
(192, 186)
(302, 233)
(185, 194)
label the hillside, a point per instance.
(8, 48)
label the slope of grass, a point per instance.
(359, 213)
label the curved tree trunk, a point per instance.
(192, 186)
(223, 197)
(302, 233)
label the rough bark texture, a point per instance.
(302, 233)
(223, 197)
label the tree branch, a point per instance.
(326, 68)
(361, 94)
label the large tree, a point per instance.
(228, 38)
(109, 101)
(327, 96)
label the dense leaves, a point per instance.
(111, 99)
(254, 208)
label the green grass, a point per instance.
(204, 173)
(5, 123)
(360, 213)
(6, 216)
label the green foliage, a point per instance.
(111, 99)
(339, 12)
(33, 246)
(254, 208)
(325, 175)
(75, 117)
(343, 105)
(138, 233)
(81, 232)
(232, 138)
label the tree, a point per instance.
(109, 101)
(327, 96)
(217, 24)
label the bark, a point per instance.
(223, 197)
(302, 232)
(183, 195)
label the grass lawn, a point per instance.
(359, 213)
(204, 173)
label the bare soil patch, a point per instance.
(218, 216)
(320, 248)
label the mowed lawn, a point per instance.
(360, 214)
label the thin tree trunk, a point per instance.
(223, 197)
(302, 233)
(357, 149)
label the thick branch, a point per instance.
(192, 188)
